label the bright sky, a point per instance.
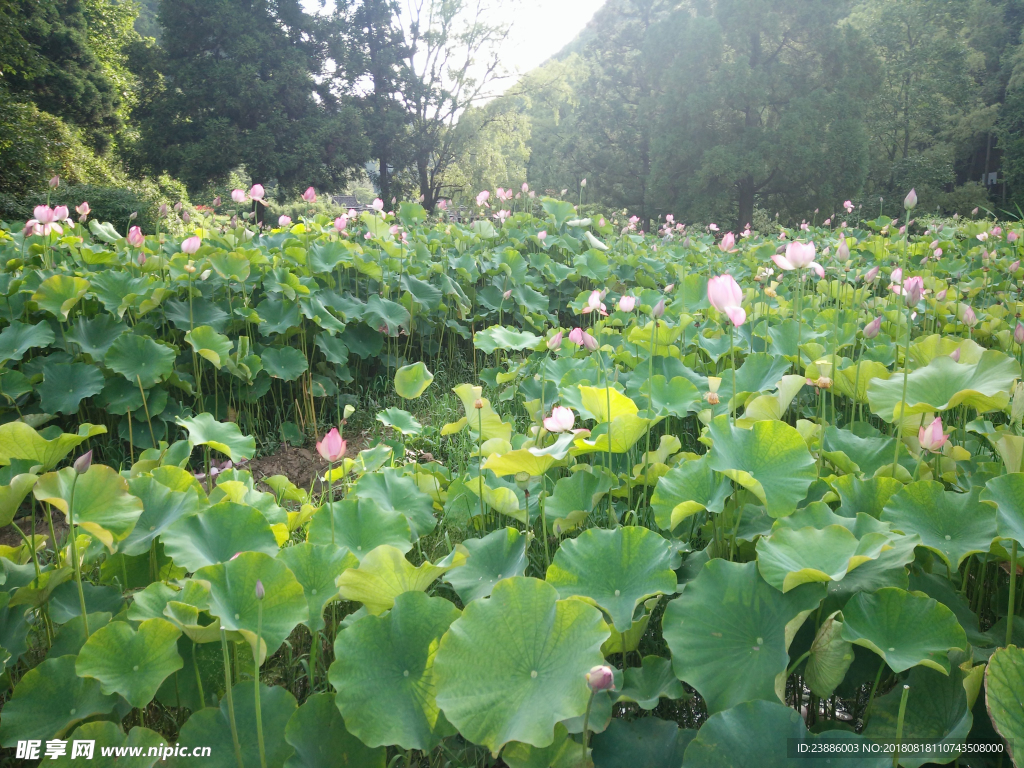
(541, 28)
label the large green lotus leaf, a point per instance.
(904, 628)
(14, 628)
(19, 441)
(385, 313)
(360, 525)
(596, 402)
(212, 727)
(18, 338)
(574, 498)
(221, 436)
(317, 567)
(218, 534)
(794, 556)
(500, 337)
(395, 491)
(401, 421)
(563, 752)
(649, 741)
(937, 712)
(770, 460)
(868, 496)
(161, 508)
(1006, 492)
(498, 555)
(652, 681)
(37, 591)
(131, 663)
(285, 363)
(151, 601)
(952, 525)
(49, 700)
(12, 494)
(318, 734)
(614, 570)
(384, 574)
(687, 489)
(515, 664)
(758, 734)
(730, 630)
(106, 734)
(411, 381)
(103, 506)
(139, 358)
(231, 266)
(58, 294)
(945, 383)
(384, 673)
(65, 385)
(523, 460)
(889, 569)
(95, 335)
(233, 597)
(669, 397)
(855, 454)
(210, 345)
(1004, 692)
(831, 657)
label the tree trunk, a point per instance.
(746, 202)
(384, 181)
(424, 175)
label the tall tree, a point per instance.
(245, 83)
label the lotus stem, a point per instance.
(330, 497)
(199, 680)
(903, 399)
(230, 697)
(871, 696)
(146, 408)
(586, 725)
(74, 557)
(1013, 593)
(899, 726)
(256, 675)
(732, 358)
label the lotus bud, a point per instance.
(133, 216)
(216, 201)
(843, 251)
(659, 309)
(54, 182)
(555, 342)
(589, 342)
(941, 295)
(507, 295)
(1015, 265)
(910, 202)
(177, 207)
(332, 447)
(238, 195)
(931, 437)
(871, 329)
(542, 235)
(191, 244)
(83, 462)
(600, 678)
(1017, 404)
(1018, 334)
(135, 238)
(260, 592)
(309, 195)
(626, 303)
(914, 290)
(871, 274)
(955, 355)
(206, 273)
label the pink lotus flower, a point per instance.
(191, 244)
(256, 192)
(594, 304)
(600, 678)
(910, 201)
(542, 235)
(1011, 237)
(713, 227)
(897, 276)
(560, 420)
(483, 197)
(555, 342)
(284, 221)
(871, 329)
(332, 447)
(728, 241)
(870, 275)
(135, 238)
(983, 236)
(526, 187)
(726, 296)
(627, 303)
(798, 256)
(83, 211)
(576, 336)
(309, 195)
(238, 195)
(589, 342)
(931, 437)
(54, 182)
(913, 290)
(340, 223)
(442, 204)
(377, 205)
(44, 221)
(848, 206)
(967, 316)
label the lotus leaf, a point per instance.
(574, 498)
(830, 658)
(140, 359)
(318, 734)
(218, 534)
(400, 421)
(103, 506)
(411, 381)
(221, 436)
(285, 363)
(58, 294)
(18, 338)
(384, 574)
(360, 526)
(20, 441)
(132, 664)
(1006, 492)
(316, 567)
(66, 385)
(652, 681)
(161, 508)
(210, 345)
(791, 557)
(110, 735)
(649, 741)
(394, 491)
(687, 489)
(1004, 682)
(499, 555)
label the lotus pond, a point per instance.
(674, 499)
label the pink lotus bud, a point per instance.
(1018, 334)
(256, 192)
(54, 182)
(713, 227)
(931, 437)
(507, 295)
(913, 290)
(659, 309)
(910, 201)
(968, 316)
(216, 201)
(284, 221)
(83, 209)
(589, 342)
(560, 420)
(442, 204)
(871, 329)
(185, 217)
(60, 213)
(626, 303)
(728, 241)
(309, 195)
(576, 336)
(555, 342)
(332, 447)
(843, 251)
(896, 276)
(238, 196)
(377, 205)
(542, 235)
(1015, 265)
(177, 207)
(162, 210)
(83, 462)
(141, 259)
(260, 592)
(870, 275)
(725, 295)
(1012, 237)
(600, 679)
(941, 295)
(191, 244)
(135, 238)
(955, 354)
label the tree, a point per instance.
(243, 83)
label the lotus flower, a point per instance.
(256, 192)
(1018, 334)
(728, 242)
(967, 316)
(848, 206)
(910, 201)
(135, 238)
(83, 211)
(238, 195)
(1011, 237)
(542, 235)
(871, 329)
(870, 275)
(442, 204)
(941, 295)
(600, 679)
(594, 304)
(309, 195)
(284, 221)
(799, 256)
(555, 342)
(191, 244)
(843, 251)
(341, 223)
(726, 296)
(560, 420)
(44, 221)
(931, 437)
(260, 592)
(659, 309)
(332, 447)
(377, 204)
(913, 290)
(626, 303)
(955, 355)
(483, 197)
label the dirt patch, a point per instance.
(9, 537)
(301, 464)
